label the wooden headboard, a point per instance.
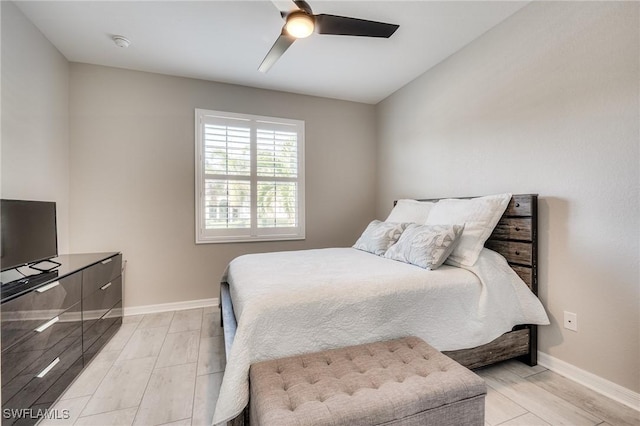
(516, 237)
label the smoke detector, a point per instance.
(121, 41)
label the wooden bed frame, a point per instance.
(516, 238)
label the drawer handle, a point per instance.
(517, 229)
(104, 262)
(48, 287)
(517, 204)
(47, 324)
(48, 368)
(106, 286)
(517, 253)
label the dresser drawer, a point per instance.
(60, 385)
(22, 315)
(49, 337)
(101, 273)
(65, 350)
(95, 305)
(101, 332)
(41, 380)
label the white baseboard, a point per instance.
(173, 306)
(590, 380)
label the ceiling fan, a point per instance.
(302, 22)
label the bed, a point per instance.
(323, 315)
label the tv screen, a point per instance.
(28, 232)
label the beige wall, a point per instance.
(35, 120)
(546, 102)
(132, 174)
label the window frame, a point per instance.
(253, 233)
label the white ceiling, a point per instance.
(226, 40)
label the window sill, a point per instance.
(267, 238)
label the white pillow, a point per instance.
(379, 236)
(410, 211)
(426, 246)
(479, 215)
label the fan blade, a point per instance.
(342, 25)
(303, 5)
(284, 6)
(279, 47)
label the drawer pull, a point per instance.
(47, 324)
(106, 286)
(48, 287)
(44, 372)
(104, 262)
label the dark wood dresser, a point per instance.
(51, 328)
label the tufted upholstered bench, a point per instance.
(398, 382)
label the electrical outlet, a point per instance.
(570, 321)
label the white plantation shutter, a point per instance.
(227, 149)
(249, 177)
(276, 204)
(227, 204)
(277, 157)
(277, 153)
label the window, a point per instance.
(249, 178)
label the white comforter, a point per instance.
(295, 302)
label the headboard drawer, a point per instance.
(513, 228)
(518, 253)
(520, 205)
(524, 272)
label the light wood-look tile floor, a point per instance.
(166, 369)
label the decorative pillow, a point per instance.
(427, 246)
(410, 211)
(480, 215)
(379, 236)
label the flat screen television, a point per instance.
(28, 233)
